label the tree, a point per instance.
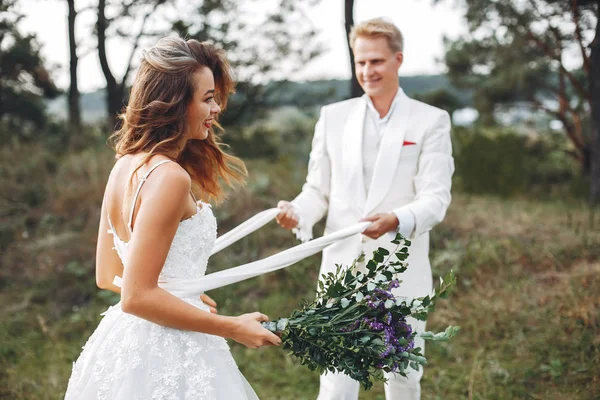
(24, 80)
(74, 96)
(355, 89)
(519, 51)
(269, 48)
(260, 51)
(594, 88)
(124, 25)
(441, 98)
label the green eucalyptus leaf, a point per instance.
(344, 302)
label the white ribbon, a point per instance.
(194, 287)
(244, 229)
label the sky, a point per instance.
(422, 24)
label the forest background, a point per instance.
(522, 233)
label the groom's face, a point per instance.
(376, 66)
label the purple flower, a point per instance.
(373, 324)
(389, 335)
(407, 347)
(388, 318)
(383, 294)
(387, 351)
(350, 327)
(402, 326)
(394, 284)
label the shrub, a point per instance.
(505, 163)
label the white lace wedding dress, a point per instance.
(130, 358)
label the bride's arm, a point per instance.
(108, 263)
(164, 199)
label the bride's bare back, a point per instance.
(117, 207)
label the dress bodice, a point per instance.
(190, 248)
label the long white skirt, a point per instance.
(129, 358)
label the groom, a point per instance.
(385, 158)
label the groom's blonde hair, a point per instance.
(378, 27)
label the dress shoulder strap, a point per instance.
(194, 197)
(137, 192)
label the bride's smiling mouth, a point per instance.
(208, 123)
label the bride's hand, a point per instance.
(251, 333)
(209, 302)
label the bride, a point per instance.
(153, 230)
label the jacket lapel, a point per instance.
(389, 152)
(352, 156)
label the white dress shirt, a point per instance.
(375, 127)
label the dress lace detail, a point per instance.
(131, 358)
(189, 252)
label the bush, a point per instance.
(505, 163)
(286, 132)
(48, 200)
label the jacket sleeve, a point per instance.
(312, 203)
(433, 180)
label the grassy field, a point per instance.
(528, 297)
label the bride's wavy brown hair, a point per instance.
(155, 118)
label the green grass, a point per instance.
(528, 297)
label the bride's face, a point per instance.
(202, 109)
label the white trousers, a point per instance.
(335, 386)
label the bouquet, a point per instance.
(357, 326)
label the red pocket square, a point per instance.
(408, 143)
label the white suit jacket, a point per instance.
(407, 177)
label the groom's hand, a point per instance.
(287, 217)
(382, 223)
